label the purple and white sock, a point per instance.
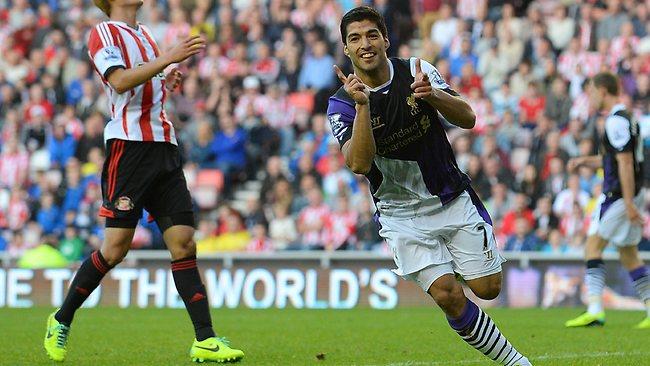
(477, 329)
(642, 285)
(595, 281)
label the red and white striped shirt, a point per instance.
(138, 114)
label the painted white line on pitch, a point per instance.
(534, 358)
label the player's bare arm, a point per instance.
(626, 172)
(454, 109)
(123, 80)
(594, 161)
(360, 150)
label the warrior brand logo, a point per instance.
(410, 100)
(124, 203)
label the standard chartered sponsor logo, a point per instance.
(404, 136)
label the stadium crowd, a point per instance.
(252, 108)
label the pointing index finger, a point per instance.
(340, 74)
(418, 66)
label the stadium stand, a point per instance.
(261, 163)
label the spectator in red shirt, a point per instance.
(312, 220)
(38, 105)
(531, 105)
(520, 210)
(469, 79)
(265, 66)
(14, 164)
(340, 228)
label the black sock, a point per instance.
(191, 289)
(88, 277)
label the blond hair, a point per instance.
(104, 6)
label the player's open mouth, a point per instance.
(367, 55)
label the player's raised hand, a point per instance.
(188, 47)
(354, 86)
(422, 85)
(173, 79)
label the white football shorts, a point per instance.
(613, 225)
(455, 238)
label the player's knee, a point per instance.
(450, 299)
(183, 249)
(113, 256)
(490, 291)
(629, 257)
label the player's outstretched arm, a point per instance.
(454, 109)
(359, 151)
(123, 80)
(594, 161)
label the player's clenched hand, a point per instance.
(188, 47)
(633, 214)
(422, 85)
(354, 87)
(173, 79)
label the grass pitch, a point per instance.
(403, 337)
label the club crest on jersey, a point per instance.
(375, 123)
(411, 102)
(124, 203)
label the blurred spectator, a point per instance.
(61, 146)
(564, 201)
(93, 136)
(340, 228)
(523, 240)
(316, 73)
(14, 164)
(560, 28)
(49, 215)
(312, 220)
(229, 148)
(444, 28)
(519, 210)
(72, 247)
(339, 181)
(545, 220)
(610, 25)
(531, 105)
(555, 243)
(282, 228)
(558, 104)
(260, 241)
(500, 202)
(465, 56)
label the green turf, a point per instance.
(404, 337)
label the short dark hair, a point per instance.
(362, 13)
(608, 81)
